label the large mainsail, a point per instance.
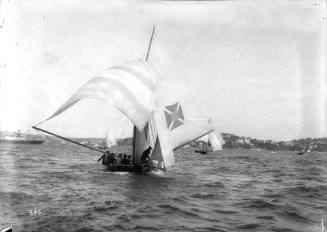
(130, 87)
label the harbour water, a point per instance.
(61, 187)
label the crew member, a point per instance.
(105, 158)
(146, 155)
(129, 158)
(124, 160)
(112, 159)
(119, 159)
(101, 158)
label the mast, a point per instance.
(150, 43)
(146, 59)
(134, 134)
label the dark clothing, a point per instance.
(102, 158)
(146, 155)
(108, 158)
(125, 161)
(111, 159)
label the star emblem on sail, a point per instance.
(174, 116)
(130, 87)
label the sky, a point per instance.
(257, 68)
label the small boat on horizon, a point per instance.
(305, 151)
(19, 138)
(210, 142)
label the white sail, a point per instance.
(214, 138)
(182, 128)
(130, 87)
(214, 141)
(141, 141)
(164, 148)
(157, 135)
(110, 140)
(166, 130)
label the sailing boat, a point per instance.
(131, 89)
(109, 142)
(305, 151)
(210, 142)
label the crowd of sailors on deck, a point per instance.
(109, 158)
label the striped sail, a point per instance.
(130, 87)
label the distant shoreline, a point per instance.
(231, 141)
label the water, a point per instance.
(232, 190)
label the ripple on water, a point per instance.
(307, 191)
(204, 195)
(258, 204)
(250, 226)
(215, 184)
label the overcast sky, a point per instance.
(256, 67)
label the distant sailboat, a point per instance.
(210, 142)
(110, 140)
(131, 89)
(305, 151)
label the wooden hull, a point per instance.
(7, 141)
(128, 168)
(302, 153)
(201, 152)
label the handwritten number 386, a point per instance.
(34, 212)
